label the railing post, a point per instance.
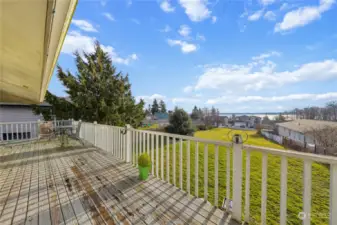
(237, 178)
(95, 129)
(128, 144)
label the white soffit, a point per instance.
(31, 37)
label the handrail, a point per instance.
(293, 154)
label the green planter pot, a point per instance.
(143, 172)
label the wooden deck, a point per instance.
(42, 183)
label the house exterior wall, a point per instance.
(294, 135)
(17, 114)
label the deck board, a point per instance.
(43, 183)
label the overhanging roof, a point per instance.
(31, 37)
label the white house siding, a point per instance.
(294, 135)
(17, 114)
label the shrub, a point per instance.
(144, 160)
(180, 122)
(201, 127)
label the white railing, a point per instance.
(230, 163)
(18, 131)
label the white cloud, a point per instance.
(188, 89)
(185, 46)
(108, 16)
(266, 2)
(284, 6)
(256, 16)
(303, 16)
(200, 37)
(135, 21)
(166, 29)
(270, 15)
(266, 55)
(84, 25)
(196, 10)
(184, 30)
(214, 19)
(166, 6)
(75, 41)
(262, 75)
(129, 3)
(291, 97)
(150, 98)
(185, 100)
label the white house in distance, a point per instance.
(295, 130)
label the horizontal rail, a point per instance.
(184, 137)
(293, 154)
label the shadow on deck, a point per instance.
(43, 184)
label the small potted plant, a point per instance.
(144, 165)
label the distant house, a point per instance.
(161, 116)
(246, 121)
(296, 130)
(20, 113)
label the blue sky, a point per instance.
(236, 55)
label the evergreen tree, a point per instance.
(100, 92)
(155, 107)
(195, 113)
(162, 106)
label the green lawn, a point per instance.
(320, 178)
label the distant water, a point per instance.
(271, 116)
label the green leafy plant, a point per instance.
(144, 160)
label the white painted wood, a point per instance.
(307, 191)
(137, 154)
(247, 188)
(237, 181)
(133, 147)
(152, 152)
(206, 172)
(106, 138)
(216, 176)
(168, 159)
(148, 143)
(128, 157)
(264, 189)
(333, 194)
(144, 141)
(174, 162)
(294, 154)
(228, 177)
(95, 132)
(17, 132)
(196, 170)
(181, 163)
(188, 161)
(284, 188)
(162, 158)
(157, 155)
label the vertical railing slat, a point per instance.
(283, 200)
(162, 157)
(264, 189)
(247, 188)
(136, 134)
(206, 172)
(148, 143)
(196, 170)
(181, 163)
(307, 191)
(188, 161)
(333, 194)
(228, 177)
(168, 159)
(157, 155)
(216, 171)
(144, 141)
(152, 153)
(174, 161)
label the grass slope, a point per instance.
(320, 178)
